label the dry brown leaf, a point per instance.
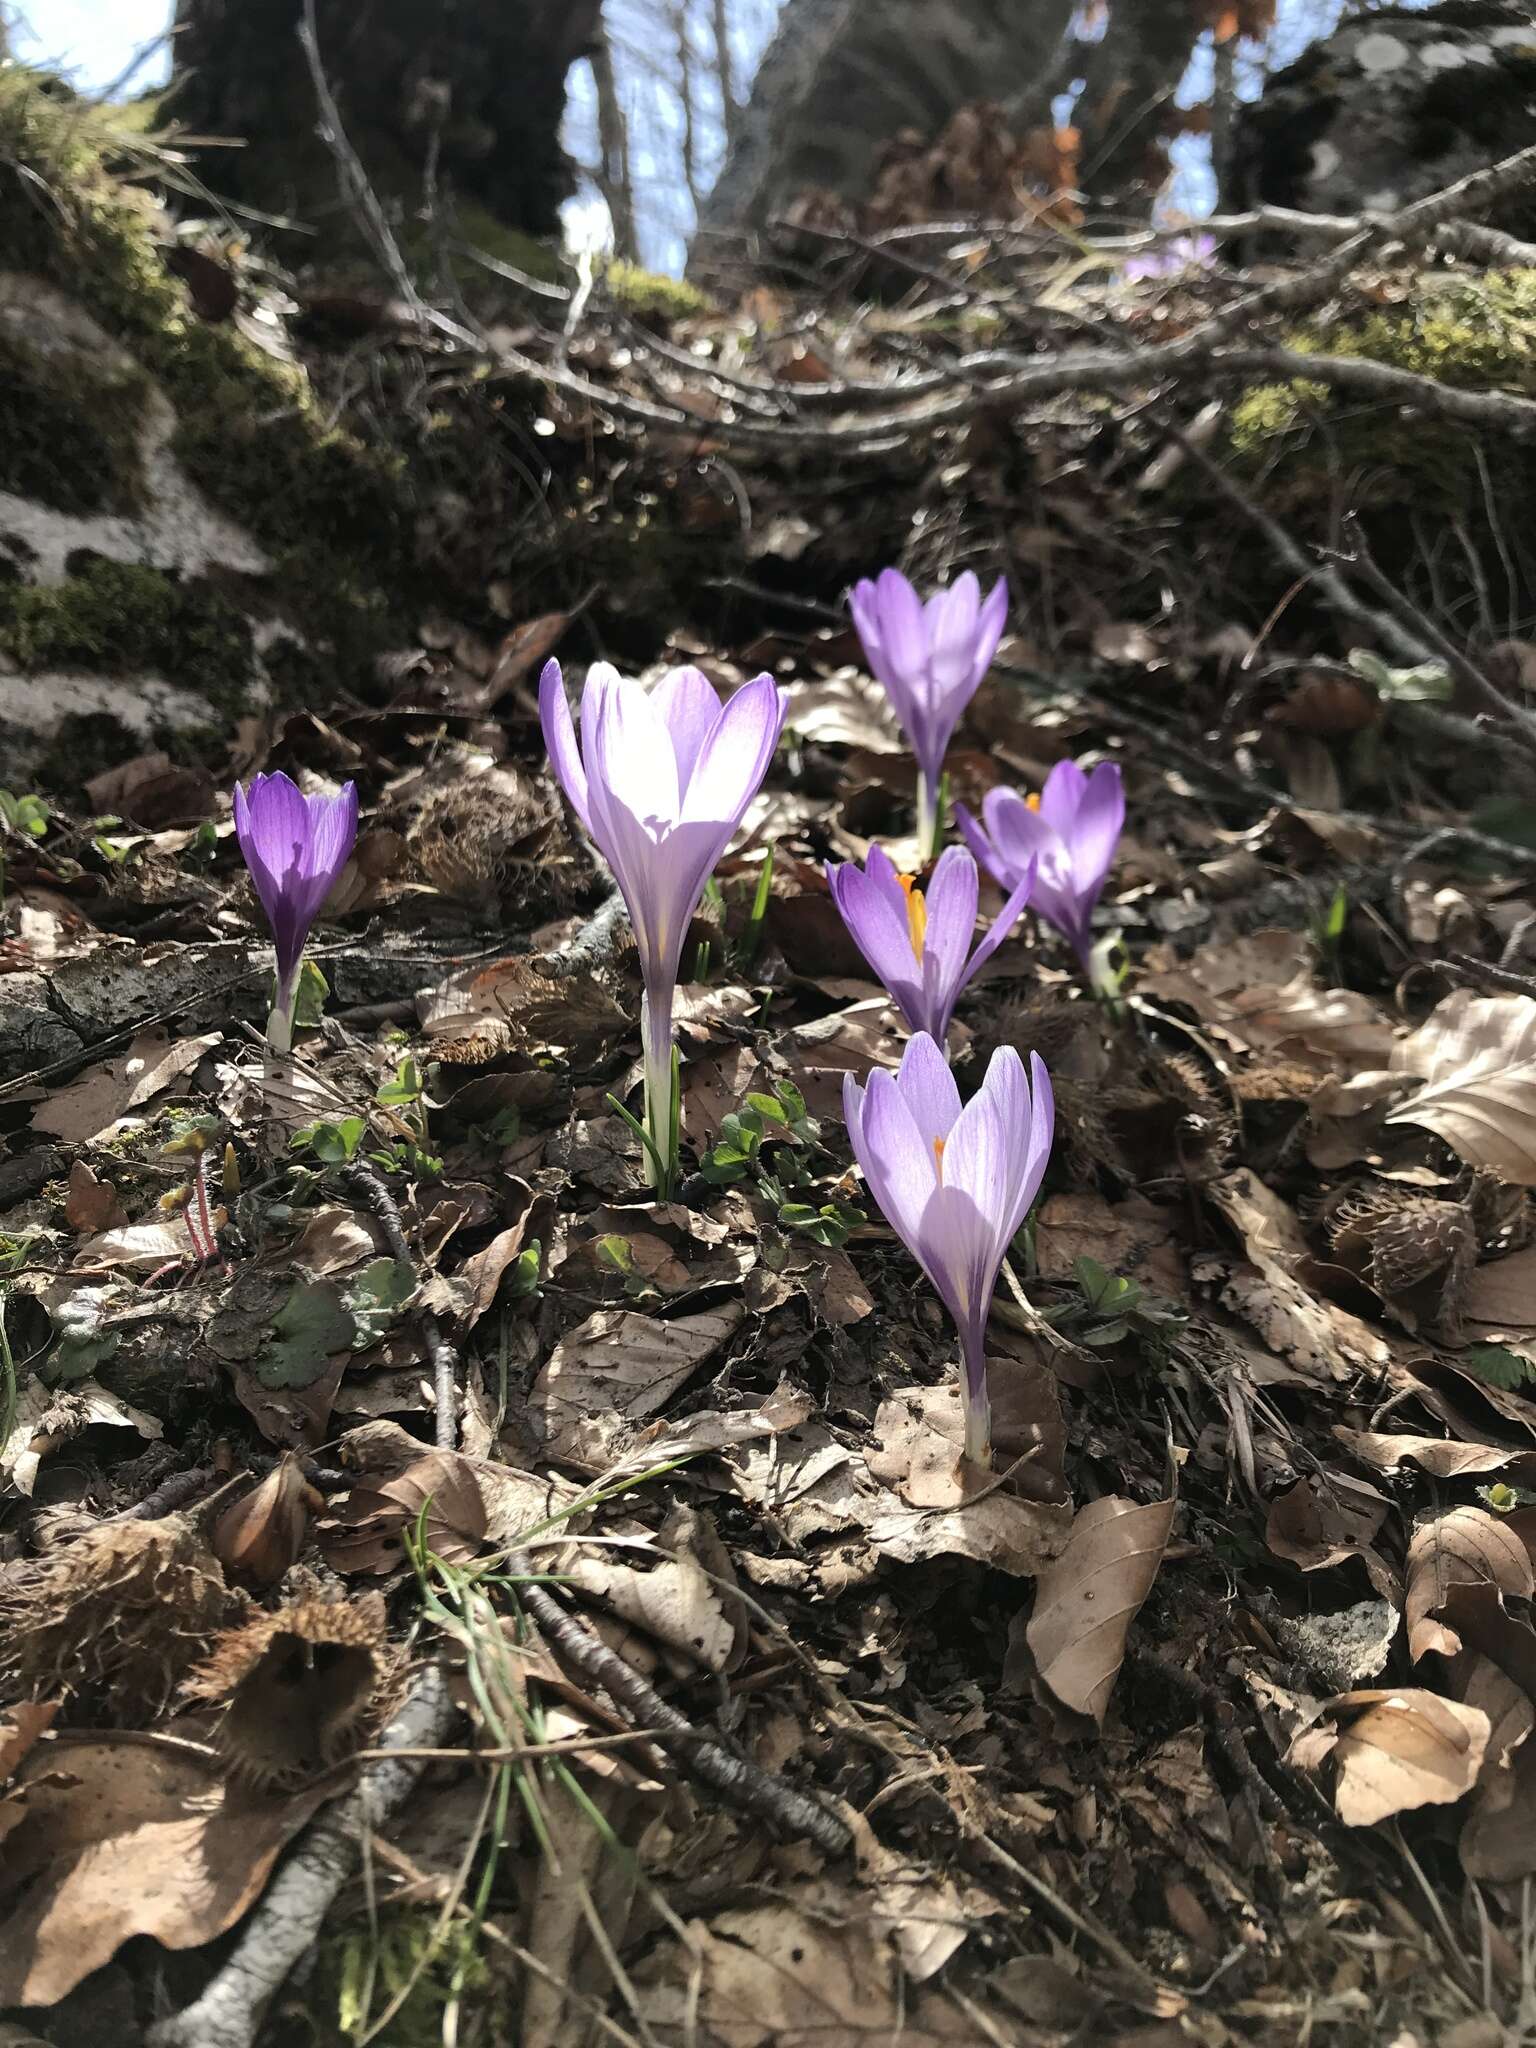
(618, 1368)
(1087, 1600)
(1259, 991)
(1476, 1058)
(1441, 1456)
(1465, 1547)
(1318, 1337)
(1498, 1841)
(91, 1204)
(369, 1532)
(89, 1110)
(126, 1835)
(681, 1601)
(20, 1727)
(260, 1535)
(1324, 1519)
(1394, 1751)
(48, 1417)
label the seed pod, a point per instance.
(258, 1538)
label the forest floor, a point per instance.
(363, 1406)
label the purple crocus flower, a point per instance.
(955, 1184)
(919, 942)
(295, 847)
(930, 657)
(1070, 831)
(660, 780)
(1184, 252)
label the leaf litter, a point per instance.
(1204, 1714)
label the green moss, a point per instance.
(1472, 332)
(643, 292)
(117, 617)
(69, 431)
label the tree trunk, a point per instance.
(486, 77)
(842, 78)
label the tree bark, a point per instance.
(486, 76)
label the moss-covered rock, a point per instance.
(182, 448)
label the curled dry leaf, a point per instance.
(47, 1418)
(124, 1835)
(1324, 1519)
(686, 1603)
(1394, 1751)
(1086, 1601)
(1440, 1456)
(1476, 1059)
(1498, 1841)
(91, 1204)
(297, 1688)
(1466, 1547)
(369, 1534)
(261, 1535)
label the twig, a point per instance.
(589, 947)
(1520, 722)
(1462, 967)
(168, 1496)
(445, 1360)
(284, 1926)
(741, 1783)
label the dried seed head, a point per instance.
(114, 1618)
(299, 1689)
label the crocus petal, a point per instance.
(898, 1161)
(629, 752)
(1002, 925)
(736, 752)
(688, 705)
(1096, 829)
(1060, 795)
(976, 838)
(1021, 835)
(950, 904)
(560, 739)
(989, 629)
(875, 912)
(951, 622)
(928, 1089)
(295, 847)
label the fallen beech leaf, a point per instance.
(91, 1204)
(261, 1534)
(680, 1602)
(1324, 1519)
(1441, 1456)
(1394, 1751)
(1476, 1057)
(369, 1533)
(1498, 1841)
(123, 1835)
(1087, 1600)
(47, 1417)
(1466, 1546)
(618, 1367)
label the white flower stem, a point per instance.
(927, 814)
(976, 1406)
(660, 1109)
(280, 1018)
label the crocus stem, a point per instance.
(927, 813)
(280, 1016)
(660, 1107)
(975, 1402)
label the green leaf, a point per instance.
(616, 1253)
(373, 1294)
(523, 1277)
(405, 1088)
(768, 1106)
(310, 1327)
(792, 1100)
(309, 1003)
(1104, 1292)
(1338, 914)
(333, 1144)
(1498, 1367)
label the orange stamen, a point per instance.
(938, 1154)
(917, 912)
(1033, 800)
